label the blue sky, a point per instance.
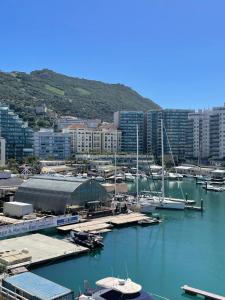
(172, 51)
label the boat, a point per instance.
(111, 288)
(147, 222)
(156, 176)
(145, 205)
(159, 202)
(174, 176)
(85, 239)
(129, 177)
(99, 178)
(210, 187)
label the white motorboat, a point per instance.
(111, 288)
(129, 177)
(99, 178)
(146, 206)
(210, 187)
(174, 176)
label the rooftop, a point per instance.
(54, 183)
(37, 286)
(124, 286)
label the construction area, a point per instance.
(37, 248)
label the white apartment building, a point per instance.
(208, 128)
(111, 141)
(201, 133)
(91, 140)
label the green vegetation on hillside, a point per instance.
(66, 95)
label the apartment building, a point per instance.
(2, 152)
(176, 125)
(127, 122)
(18, 136)
(50, 144)
(66, 121)
(94, 140)
(208, 138)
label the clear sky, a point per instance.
(172, 51)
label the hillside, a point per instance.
(66, 95)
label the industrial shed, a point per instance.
(52, 193)
(33, 287)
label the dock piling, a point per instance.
(202, 206)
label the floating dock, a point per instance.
(42, 248)
(190, 207)
(105, 223)
(195, 292)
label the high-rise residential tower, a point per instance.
(18, 136)
(127, 122)
(176, 124)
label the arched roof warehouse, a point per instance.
(51, 193)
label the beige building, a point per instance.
(104, 139)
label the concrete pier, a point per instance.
(105, 223)
(42, 248)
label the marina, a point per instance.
(147, 253)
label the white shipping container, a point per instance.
(17, 209)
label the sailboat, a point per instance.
(160, 202)
(143, 204)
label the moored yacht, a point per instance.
(129, 177)
(111, 288)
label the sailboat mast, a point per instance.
(137, 166)
(115, 172)
(162, 158)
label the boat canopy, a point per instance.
(124, 286)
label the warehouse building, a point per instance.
(34, 287)
(55, 194)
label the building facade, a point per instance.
(208, 133)
(2, 152)
(128, 122)
(176, 126)
(66, 121)
(90, 140)
(50, 144)
(18, 136)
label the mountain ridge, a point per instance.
(66, 95)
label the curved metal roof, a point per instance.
(54, 183)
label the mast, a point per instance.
(115, 172)
(162, 158)
(137, 166)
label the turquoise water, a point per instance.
(187, 248)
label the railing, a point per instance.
(10, 294)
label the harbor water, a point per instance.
(187, 248)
